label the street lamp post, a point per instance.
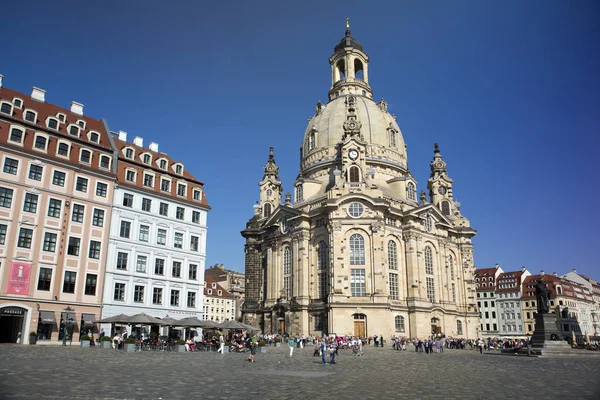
(67, 322)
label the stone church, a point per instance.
(358, 251)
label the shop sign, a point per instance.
(18, 279)
(12, 311)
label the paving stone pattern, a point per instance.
(56, 372)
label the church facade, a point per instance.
(358, 251)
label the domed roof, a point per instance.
(347, 41)
(377, 125)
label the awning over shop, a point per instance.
(47, 317)
(88, 319)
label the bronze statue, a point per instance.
(542, 293)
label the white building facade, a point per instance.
(509, 290)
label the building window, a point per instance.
(30, 116)
(267, 210)
(130, 176)
(54, 208)
(392, 255)
(178, 169)
(287, 272)
(35, 172)
(101, 189)
(175, 298)
(180, 213)
(146, 204)
(138, 294)
(299, 193)
(11, 166)
(94, 137)
(428, 260)
(311, 140)
(459, 329)
(73, 248)
(44, 279)
(85, 156)
(356, 210)
(196, 217)
(3, 229)
(394, 286)
(61, 117)
(122, 261)
(81, 184)
(358, 283)
(91, 281)
(178, 240)
(144, 233)
(18, 103)
(163, 164)
(49, 242)
(161, 237)
(323, 259)
(141, 264)
(399, 323)
(40, 142)
(78, 211)
(6, 196)
(453, 292)
(193, 272)
(428, 223)
(63, 150)
(430, 290)
(197, 195)
(129, 153)
(176, 271)
(74, 130)
(165, 185)
(191, 300)
(98, 218)
(411, 191)
(357, 250)
(94, 252)
(125, 229)
(58, 178)
(69, 283)
(25, 236)
(445, 208)
(30, 204)
(354, 174)
(159, 266)
(147, 159)
(392, 139)
(163, 209)
(180, 189)
(451, 266)
(6, 108)
(127, 200)
(148, 180)
(194, 240)
(157, 296)
(104, 162)
(119, 292)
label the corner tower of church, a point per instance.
(356, 253)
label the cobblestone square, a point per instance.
(56, 372)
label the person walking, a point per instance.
(291, 343)
(332, 351)
(323, 351)
(221, 345)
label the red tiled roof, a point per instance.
(209, 282)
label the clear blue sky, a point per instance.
(510, 90)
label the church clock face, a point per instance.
(442, 190)
(353, 154)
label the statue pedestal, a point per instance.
(547, 338)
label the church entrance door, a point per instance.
(282, 326)
(359, 328)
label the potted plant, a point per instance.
(106, 342)
(130, 344)
(262, 346)
(32, 338)
(84, 341)
(181, 346)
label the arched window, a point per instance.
(392, 255)
(451, 266)
(428, 260)
(354, 174)
(287, 272)
(459, 330)
(341, 69)
(392, 138)
(358, 69)
(299, 192)
(323, 256)
(429, 223)
(399, 323)
(558, 290)
(357, 250)
(267, 210)
(445, 208)
(311, 140)
(411, 192)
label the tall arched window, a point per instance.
(392, 255)
(354, 174)
(399, 323)
(300, 192)
(287, 272)
(392, 138)
(267, 210)
(445, 208)
(357, 250)
(428, 260)
(323, 256)
(311, 140)
(411, 191)
(459, 330)
(451, 266)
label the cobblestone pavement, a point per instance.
(56, 372)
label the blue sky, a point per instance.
(509, 89)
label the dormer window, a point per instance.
(165, 185)
(85, 156)
(146, 158)
(162, 164)
(16, 135)
(181, 189)
(61, 117)
(74, 130)
(129, 153)
(63, 149)
(214, 285)
(6, 108)
(197, 195)
(52, 123)
(178, 169)
(18, 103)
(219, 292)
(30, 116)
(94, 137)
(40, 142)
(81, 123)
(105, 162)
(130, 175)
(148, 180)
(209, 291)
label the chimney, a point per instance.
(138, 141)
(1, 76)
(153, 147)
(122, 136)
(38, 94)
(497, 266)
(555, 274)
(76, 108)
(523, 269)
(542, 273)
